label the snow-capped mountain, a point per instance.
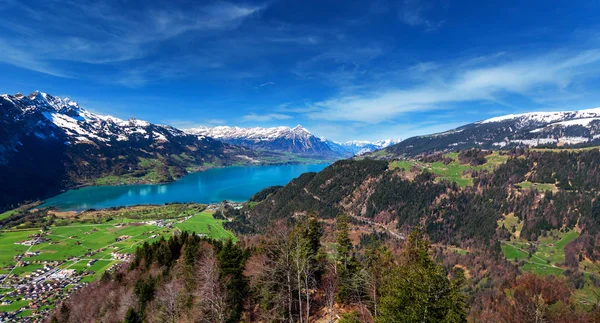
(359, 147)
(56, 144)
(55, 117)
(553, 129)
(296, 140)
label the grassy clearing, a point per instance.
(512, 252)
(454, 171)
(550, 250)
(205, 223)
(148, 172)
(512, 224)
(14, 306)
(526, 185)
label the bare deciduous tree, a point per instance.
(209, 289)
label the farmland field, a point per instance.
(87, 244)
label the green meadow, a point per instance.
(74, 245)
(454, 171)
(205, 223)
(548, 258)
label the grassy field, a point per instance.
(548, 259)
(454, 171)
(8, 213)
(133, 213)
(73, 246)
(147, 173)
(205, 223)
(549, 251)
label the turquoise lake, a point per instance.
(214, 185)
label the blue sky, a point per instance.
(343, 69)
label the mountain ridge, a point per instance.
(303, 141)
(578, 128)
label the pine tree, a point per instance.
(232, 259)
(132, 316)
(345, 264)
(418, 290)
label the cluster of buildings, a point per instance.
(121, 256)
(40, 289)
(122, 238)
(162, 223)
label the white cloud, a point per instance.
(252, 117)
(532, 77)
(98, 33)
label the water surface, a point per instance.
(214, 185)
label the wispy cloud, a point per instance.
(266, 84)
(531, 77)
(412, 13)
(252, 117)
(99, 33)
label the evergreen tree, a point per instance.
(132, 316)
(418, 290)
(345, 263)
(232, 259)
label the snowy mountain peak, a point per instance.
(580, 128)
(300, 129)
(296, 139)
(255, 133)
(547, 117)
(80, 125)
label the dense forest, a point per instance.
(285, 276)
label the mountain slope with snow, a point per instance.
(295, 140)
(535, 129)
(56, 144)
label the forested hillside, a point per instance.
(498, 215)
(285, 276)
(474, 235)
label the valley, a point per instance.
(517, 211)
(496, 209)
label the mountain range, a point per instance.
(537, 129)
(56, 144)
(285, 139)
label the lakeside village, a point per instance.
(34, 293)
(39, 290)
